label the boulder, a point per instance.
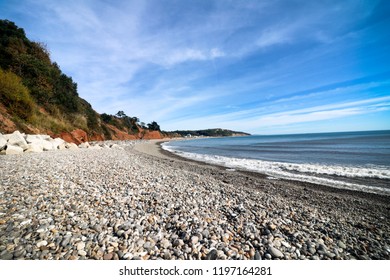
(13, 150)
(17, 139)
(45, 137)
(3, 142)
(34, 148)
(57, 142)
(33, 138)
(62, 146)
(41, 145)
(84, 145)
(96, 147)
(47, 145)
(71, 146)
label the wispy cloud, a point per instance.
(235, 64)
(259, 120)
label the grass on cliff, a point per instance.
(15, 95)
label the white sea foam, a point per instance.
(312, 173)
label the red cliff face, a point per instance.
(97, 137)
(77, 136)
(147, 135)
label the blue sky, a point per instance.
(264, 67)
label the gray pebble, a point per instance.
(275, 252)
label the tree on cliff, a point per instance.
(153, 126)
(121, 114)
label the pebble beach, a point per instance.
(137, 202)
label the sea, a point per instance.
(349, 160)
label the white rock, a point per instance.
(71, 146)
(84, 145)
(7, 136)
(80, 246)
(34, 148)
(41, 243)
(3, 142)
(47, 145)
(63, 146)
(26, 222)
(56, 143)
(45, 137)
(13, 150)
(33, 138)
(96, 147)
(17, 139)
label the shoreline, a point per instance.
(154, 148)
(139, 202)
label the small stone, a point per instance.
(42, 229)
(140, 243)
(41, 243)
(80, 246)
(148, 245)
(82, 253)
(65, 241)
(272, 227)
(212, 255)
(128, 256)
(194, 239)
(5, 255)
(206, 234)
(107, 256)
(26, 222)
(341, 245)
(275, 252)
(20, 252)
(257, 256)
(178, 242)
(167, 255)
(330, 255)
(225, 237)
(165, 243)
(312, 250)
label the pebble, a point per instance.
(41, 243)
(69, 205)
(341, 245)
(194, 239)
(82, 253)
(165, 243)
(212, 255)
(5, 255)
(257, 256)
(276, 253)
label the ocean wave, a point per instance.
(313, 173)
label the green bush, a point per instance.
(15, 95)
